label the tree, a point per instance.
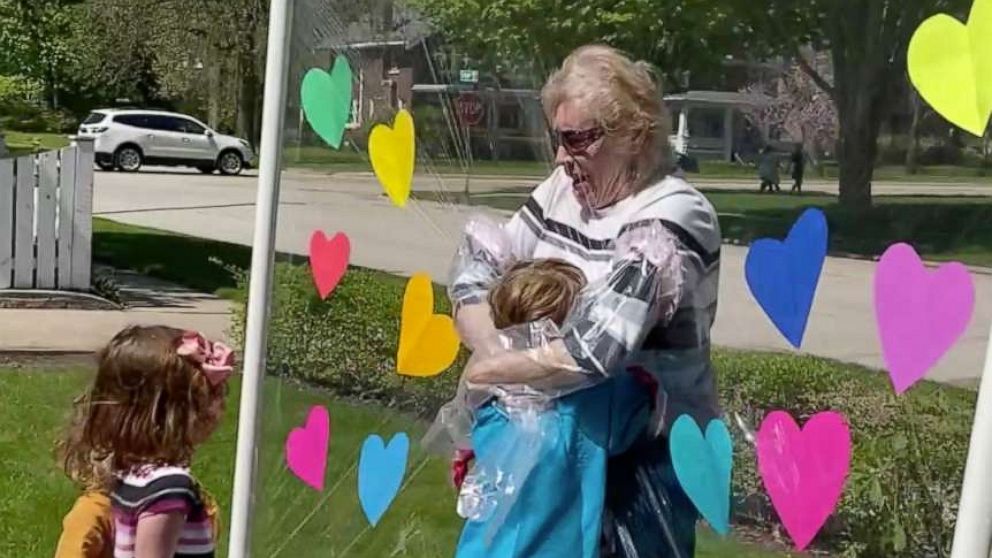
(203, 56)
(36, 41)
(533, 36)
(797, 107)
(116, 36)
(867, 41)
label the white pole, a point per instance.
(680, 145)
(973, 531)
(263, 246)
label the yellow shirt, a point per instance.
(88, 528)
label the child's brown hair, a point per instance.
(148, 405)
(534, 290)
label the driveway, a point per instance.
(423, 237)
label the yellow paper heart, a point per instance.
(949, 64)
(428, 341)
(392, 152)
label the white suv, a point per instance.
(127, 139)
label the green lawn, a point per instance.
(28, 142)
(194, 262)
(197, 263)
(940, 227)
(895, 173)
(292, 521)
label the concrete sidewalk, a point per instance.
(149, 301)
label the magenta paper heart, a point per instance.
(328, 260)
(306, 448)
(920, 314)
(804, 470)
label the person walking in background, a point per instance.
(798, 168)
(768, 170)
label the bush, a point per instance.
(27, 117)
(909, 452)
(18, 89)
(348, 342)
(941, 154)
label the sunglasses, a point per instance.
(578, 142)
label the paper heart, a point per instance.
(380, 474)
(306, 448)
(920, 314)
(703, 467)
(326, 100)
(949, 64)
(804, 470)
(428, 341)
(392, 152)
(783, 276)
(328, 260)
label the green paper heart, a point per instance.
(326, 99)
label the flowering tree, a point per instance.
(799, 111)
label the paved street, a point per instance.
(423, 237)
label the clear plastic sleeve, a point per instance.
(483, 255)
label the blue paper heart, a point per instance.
(380, 474)
(703, 468)
(782, 276)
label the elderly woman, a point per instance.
(611, 183)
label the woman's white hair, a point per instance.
(623, 97)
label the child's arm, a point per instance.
(157, 535)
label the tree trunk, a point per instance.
(52, 88)
(249, 84)
(858, 147)
(247, 93)
(214, 90)
(913, 149)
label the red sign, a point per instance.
(471, 110)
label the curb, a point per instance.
(23, 299)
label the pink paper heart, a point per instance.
(328, 260)
(804, 470)
(920, 314)
(306, 448)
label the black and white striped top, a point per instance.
(161, 490)
(675, 349)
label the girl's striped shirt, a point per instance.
(161, 490)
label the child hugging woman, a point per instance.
(158, 395)
(540, 428)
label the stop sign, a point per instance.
(470, 109)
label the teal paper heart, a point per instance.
(326, 99)
(703, 467)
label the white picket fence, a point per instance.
(46, 219)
